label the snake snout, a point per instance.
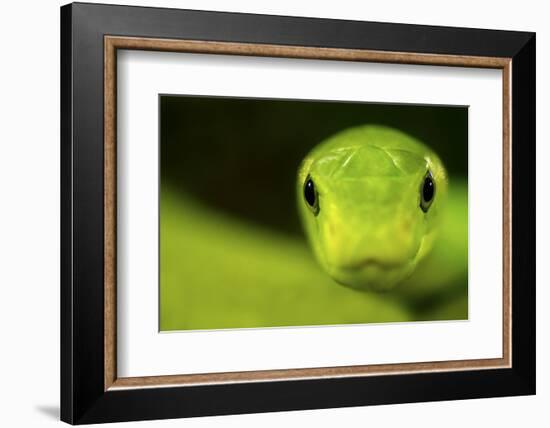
(385, 248)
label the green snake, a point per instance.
(371, 200)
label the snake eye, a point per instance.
(311, 196)
(427, 192)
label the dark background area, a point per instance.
(241, 156)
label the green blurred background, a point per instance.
(232, 252)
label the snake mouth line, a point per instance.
(372, 262)
(382, 264)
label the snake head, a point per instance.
(370, 199)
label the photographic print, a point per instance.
(304, 199)
(280, 213)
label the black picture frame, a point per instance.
(83, 396)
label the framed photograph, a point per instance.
(265, 213)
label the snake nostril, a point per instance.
(406, 225)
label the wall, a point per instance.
(29, 225)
